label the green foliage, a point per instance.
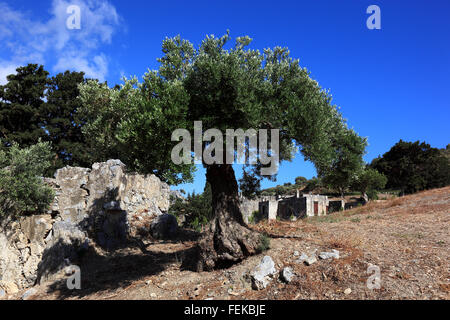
(196, 209)
(253, 217)
(22, 107)
(347, 161)
(372, 194)
(264, 243)
(250, 185)
(300, 180)
(62, 121)
(446, 152)
(22, 190)
(225, 88)
(135, 122)
(289, 188)
(413, 166)
(369, 179)
(34, 106)
(312, 184)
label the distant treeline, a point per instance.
(408, 167)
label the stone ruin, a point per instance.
(297, 206)
(289, 207)
(101, 206)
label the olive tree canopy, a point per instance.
(225, 86)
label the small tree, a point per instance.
(22, 190)
(196, 209)
(346, 163)
(369, 179)
(300, 180)
(313, 184)
(250, 184)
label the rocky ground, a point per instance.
(407, 238)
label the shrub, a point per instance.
(372, 194)
(253, 218)
(264, 243)
(22, 190)
(300, 180)
(196, 209)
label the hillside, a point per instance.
(406, 237)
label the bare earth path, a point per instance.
(407, 238)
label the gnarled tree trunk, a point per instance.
(228, 239)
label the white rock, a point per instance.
(29, 293)
(287, 274)
(263, 273)
(302, 258)
(326, 255)
(310, 260)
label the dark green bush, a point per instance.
(264, 243)
(372, 194)
(196, 208)
(22, 190)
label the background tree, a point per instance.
(347, 161)
(34, 106)
(225, 88)
(62, 122)
(250, 184)
(196, 209)
(22, 107)
(446, 152)
(369, 179)
(413, 166)
(134, 123)
(300, 180)
(313, 184)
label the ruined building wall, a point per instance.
(101, 205)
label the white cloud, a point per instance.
(30, 40)
(95, 68)
(6, 70)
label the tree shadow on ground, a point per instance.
(103, 273)
(114, 258)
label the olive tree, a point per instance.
(225, 86)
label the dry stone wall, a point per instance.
(102, 205)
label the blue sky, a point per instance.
(391, 83)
